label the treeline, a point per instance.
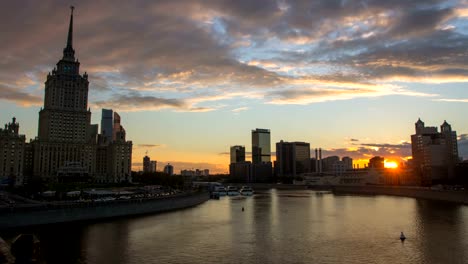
(158, 178)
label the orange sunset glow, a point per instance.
(390, 164)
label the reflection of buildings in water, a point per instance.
(107, 242)
(440, 232)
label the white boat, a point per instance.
(220, 191)
(232, 191)
(246, 191)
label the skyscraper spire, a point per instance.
(68, 51)
(70, 29)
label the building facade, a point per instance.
(106, 124)
(261, 146)
(435, 154)
(12, 151)
(169, 169)
(293, 158)
(237, 154)
(66, 140)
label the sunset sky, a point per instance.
(191, 78)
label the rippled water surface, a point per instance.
(275, 227)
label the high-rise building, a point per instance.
(347, 162)
(65, 118)
(153, 165)
(377, 162)
(66, 140)
(434, 154)
(12, 154)
(261, 149)
(293, 158)
(107, 124)
(146, 164)
(169, 169)
(237, 154)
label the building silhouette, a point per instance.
(261, 146)
(261, 168)
(12, 154)
(106, 124)
(376, 162)
(66, 140)
(434, 154)
(237, 154)
(153, 165)
(169, 169)
(146, 164)
(293, 158)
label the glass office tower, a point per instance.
(261, 150)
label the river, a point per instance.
(275, 227)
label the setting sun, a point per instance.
(390, 164)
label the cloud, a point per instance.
(190, 55)
(148, 145)
(369, 150)
(136, 102)
(20, 97)
(240, 109)
(452, 100)
(354, 140)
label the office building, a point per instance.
(107, 124)
(237, 154)
(434, 154)
(169, 169)
(377, 162)
(146, 164)
(261, 149)
(293, 158)
(153, 165)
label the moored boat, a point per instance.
(246, 191)
(232, 191)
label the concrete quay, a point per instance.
(413, 192)
(50, 214)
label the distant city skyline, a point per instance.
(191, 84)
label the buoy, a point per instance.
(242, 209)
(402, 236)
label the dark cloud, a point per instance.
(186, 47)
(354, 140)
(18, 96)
(404, 145)
(148, 145)
(419, 22)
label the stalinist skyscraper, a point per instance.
(67, 144)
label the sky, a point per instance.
(192, 78)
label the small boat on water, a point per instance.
(232, 191)
(246, 191)
(402, 236)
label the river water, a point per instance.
(275, 227)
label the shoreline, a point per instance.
(29, 217)
(460, 197)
